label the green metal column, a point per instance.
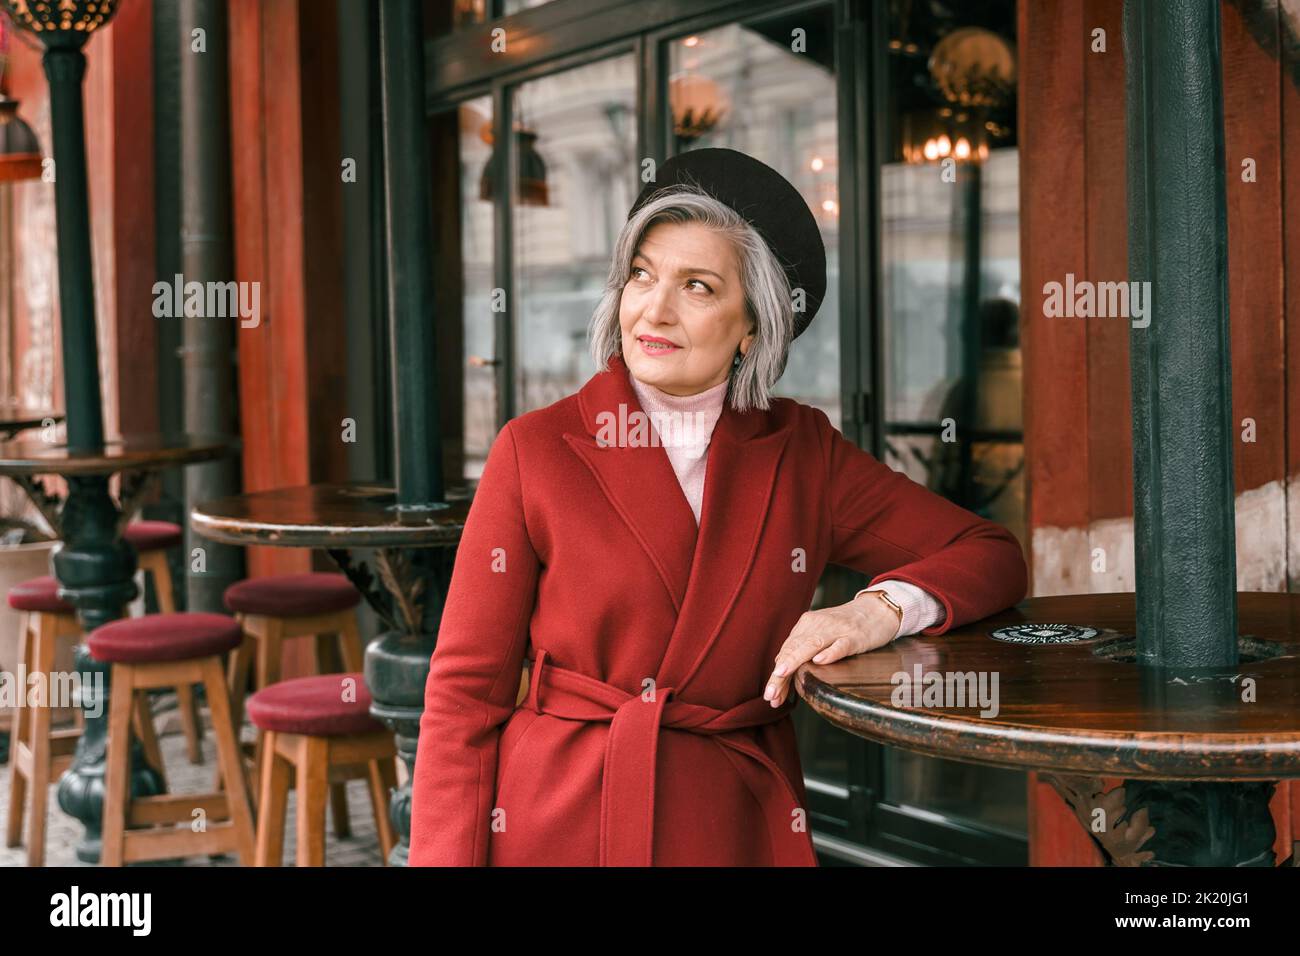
(397, 662)
(94, 566)
(418, 441)
(1182, 414)
(370, 457)
(1182, 383)
(65, 67)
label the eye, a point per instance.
(635, 270)
(703, 285)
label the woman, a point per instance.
(656, 727)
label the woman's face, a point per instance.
(682, 313)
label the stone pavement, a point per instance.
(63, 832)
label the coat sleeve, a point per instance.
(885, 525)
(474, 671)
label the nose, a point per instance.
(659, 306)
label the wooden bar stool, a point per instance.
(320, 727)
(163, 650)
(281, 607)
(39, 751)
(152, 540)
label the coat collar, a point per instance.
(702, 569)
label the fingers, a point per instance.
(842, 647)
(798, 649)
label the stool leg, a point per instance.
(313, 777)
(270, 656)
(382, 777)
(20, 733)
(240, 665)
(162, 581)
(350, 644)
(272, 802)
(241, 662)
(328, 661)
(118, 760)
(191, 723)
(148, 736)
(230, 760)
(43, 643)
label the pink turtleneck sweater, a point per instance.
(687, 449)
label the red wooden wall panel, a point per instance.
(288, 237)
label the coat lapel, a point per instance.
(638, 481)
(703, 572)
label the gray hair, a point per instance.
(767, 291)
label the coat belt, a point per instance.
(628, 787)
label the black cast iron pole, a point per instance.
(1182, 419)
(418, 443)
(397, 662)
(94, 566)
(65, 66)
(1184, 537)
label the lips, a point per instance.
(656, 344)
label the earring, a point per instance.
(735, 362)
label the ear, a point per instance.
(747, 342)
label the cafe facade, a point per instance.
(964, 163)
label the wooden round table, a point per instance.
(399, 559)
(1051, 686)
(96, 569)
(330, 516)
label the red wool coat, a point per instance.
(645, 738)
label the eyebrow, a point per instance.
(685, 270)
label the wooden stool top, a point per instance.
(1067, 700)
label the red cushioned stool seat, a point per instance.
(315, 706)
(40, 595)
(292, 595)
(152, 535)
(164, 637)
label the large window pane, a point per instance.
(950, 277)
(767, 88)
(576, 171)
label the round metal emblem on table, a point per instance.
(1044, 634)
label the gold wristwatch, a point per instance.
(888, 600)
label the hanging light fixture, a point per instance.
(697, 103)
(533, 189)
(974, 70)
(20, 152)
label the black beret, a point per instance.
(765, 199)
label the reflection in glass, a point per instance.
(582, 125)
(516, 6)
(745, 87)
(480, 349)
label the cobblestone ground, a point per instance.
(63, 832)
